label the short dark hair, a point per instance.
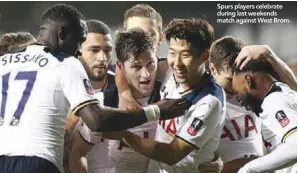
(224, 51)
(62, 12)
(132, 43)
(14, 42)
(255, 66)
(98, 27)
(198, 32)
(143, 10)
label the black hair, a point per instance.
(132, 43)
(198, 32)
(98, 27)
(62, 12)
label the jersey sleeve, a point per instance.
(280, 118)
(202, 122)
(76, 86)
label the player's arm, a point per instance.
(79, 150)
(79, 93)
(215, 166)
(234, 165)
(283, 156)
(218, 166)
(71, 123)
(105, 119)
(204, 118)
(264, 52)
(282, 121)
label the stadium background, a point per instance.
(24, 16)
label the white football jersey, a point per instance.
(37, 91)
(201, 126)
(279, 118)
(112, 156)
(241, 134)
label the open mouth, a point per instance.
(146, 82)
(180, 73)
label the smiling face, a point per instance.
(141, 73)
(184, 60)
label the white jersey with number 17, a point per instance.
(37, 90)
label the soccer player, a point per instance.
(183, 143)
(276, 104)
(146, 17)
(96, 58)
(136, 54)
(40, 84)
(14, 42)
(139, 16)
(242, 130)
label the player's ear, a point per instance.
(212, 69)
(205, 56)
(61, 32)
(120, 65)
(161, 36)
(250, 82)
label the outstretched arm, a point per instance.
(104, 119)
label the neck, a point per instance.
(138, 95)
(42, 41)
(99, 84)
(264, 83)
(196, 80)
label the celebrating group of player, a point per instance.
(209, 107)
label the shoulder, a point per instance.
(278, 99)
(211, 91)
(211, 101)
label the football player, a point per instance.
(40, 84)
(276, 104)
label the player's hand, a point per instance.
(128, 104)
(120, 79)
(211, 167)
(171, 108)
(253, 52)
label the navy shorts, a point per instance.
(26, 164)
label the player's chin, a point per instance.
(98, 76)
(145, 89)
(180, 80)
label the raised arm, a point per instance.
(265, 53)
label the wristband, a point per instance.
(152, 112)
